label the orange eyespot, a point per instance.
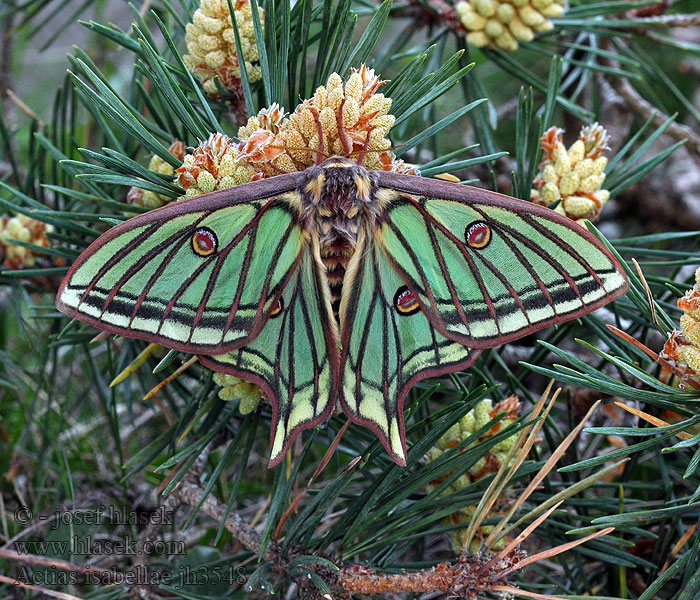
(477, 235)
(204, 242)
(277, 311)
(405, 301)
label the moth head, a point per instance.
(338, 189)
(338, 162)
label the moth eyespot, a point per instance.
(277, 311)
(204, 242)
(477, 235)
(405, 301)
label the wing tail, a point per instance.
(294, 358)
(388, 345)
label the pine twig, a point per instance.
(237, 108)
(6, 47)
(35, 588)
(19, 103)
(437, 12)
(462, 577)
(687, 67)
(617, 117)
(469, 577)
(55, 563)
(170, 505)
(190, 492)
(645, 110)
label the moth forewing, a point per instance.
(200, 275)
(489, 269)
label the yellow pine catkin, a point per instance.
(211, 45)
(213, 165)
(148, 199)
(233, 388)
(263, 143)
(683, 346)
(22, 229)
(346, 118)
(469, 424)
(575, 175)
(501, 24)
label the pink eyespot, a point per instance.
(405, 301)
(477, 235)
(204, 242)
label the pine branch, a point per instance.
(190, 492)
(436, 13)
(465, 578)
(644, 109)
(629, 96)
(54, 563)
(143, 588)
(6, 47)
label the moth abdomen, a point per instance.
(335, 257)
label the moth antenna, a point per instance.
(368, 151)
(303, 149)
(320, 150)
(342, 134)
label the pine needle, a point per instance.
(645, 416)
(181, 369)
(135, 364)
(522, 446)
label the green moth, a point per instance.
(339, 283)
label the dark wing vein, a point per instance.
(448, 277)
(157, 273)
(312, 343)
(118, 256)
(139, 264)
(417, 265)
(565, 247)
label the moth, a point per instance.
(340, 284)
